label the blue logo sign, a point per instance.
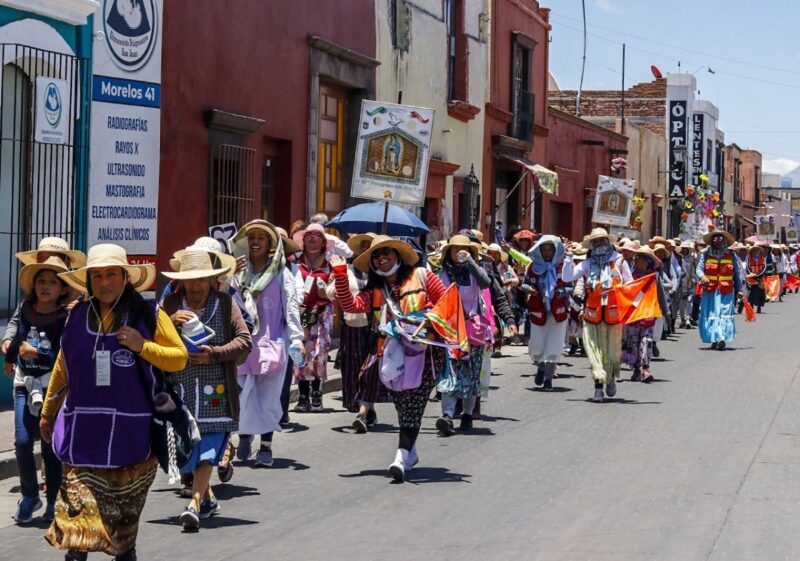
(130, 27)
(52, 105)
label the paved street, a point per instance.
(701, 465)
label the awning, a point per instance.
(548, 179)
(741, 216)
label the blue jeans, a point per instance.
(26, 431)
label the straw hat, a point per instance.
(527, 234)
(629, 245)
(596, 234)
(77, 259)
(660, 240)
(460, 241)
(354, 243)
(661, 247)
(755, 247)
(496, 247)
(209, 245)
(141, 277)
(289, 247)
(407, 254)
(195, 264)
(688, 244)
(264, 226)
(728, 237)
(28, 273)
(312, 228)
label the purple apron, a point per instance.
(269, 354)
(103, 426)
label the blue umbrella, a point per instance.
(368, 217)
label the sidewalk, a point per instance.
(8, 463)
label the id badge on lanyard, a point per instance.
(103, 368)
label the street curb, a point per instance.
(8, 461)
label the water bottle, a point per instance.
(298, 358)
(45, 347)
(33, 341)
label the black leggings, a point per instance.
(305, 387)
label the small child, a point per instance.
(44, 312)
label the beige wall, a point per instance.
(646, 151)
(421, 74)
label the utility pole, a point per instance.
(583, 64)
(623, 88)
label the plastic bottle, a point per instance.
(33, 341)
(45, 347)
(298, 358)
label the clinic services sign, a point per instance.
(126, 125)
(392, 152)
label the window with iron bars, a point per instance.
(522, 99)
(232, 197)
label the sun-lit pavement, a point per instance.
(702, 464)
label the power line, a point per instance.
(718, 57)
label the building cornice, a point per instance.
(342, 52)
(74, 12)
(588, 124)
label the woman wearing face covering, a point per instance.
(548, 307)
(603, 271)
(718, 271)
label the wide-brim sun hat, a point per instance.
(209, 245)
(661, 240)
(755, 247)
(661, 247)
(27, 275)
(289, 247)
(596, 234)
(196, 264)
(312, 228)
(407, 254)
(687, 244)
(77, 259)
(629, 245)
(354, 243)
(460, 241)
(524, 234)
(495, 247)
(141, 277)
(728, 237)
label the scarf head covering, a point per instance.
(600, 265)
(546, 271)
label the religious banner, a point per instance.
(613, 201)
(765, 227)
(791, 234)
(392, 153)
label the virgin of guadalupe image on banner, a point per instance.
(765, 227)
(614, 201)
(392, 153)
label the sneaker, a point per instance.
(444, 425)
(548, 385)
(637, 375)
(539, 378)
(611, 388)
(372, 418)
(656, 352)
(225, 467)
(303, 405)
(316, 401)
(598, 395)
(264, 457)
(25, 509)
(497, 354)
(360, 423)
(646, 376)
(413, 459)
(721, 345)
(466, 423)
(397, 468)
(714, 345)
(573, 348)
(190, 519)
(49, 513)
(209, 509)
(245, 447)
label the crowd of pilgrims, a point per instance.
(237, 324)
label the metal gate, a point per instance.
(43, 186)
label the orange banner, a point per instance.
(638, 300)
(447, 318)
(772, 286)
(792, 282)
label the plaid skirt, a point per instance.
(99, 509)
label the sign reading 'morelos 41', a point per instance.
(126, 119)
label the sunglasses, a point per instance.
(313, 235)
(381, 252)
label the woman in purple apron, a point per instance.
(102, 389)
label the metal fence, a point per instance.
(42, 185)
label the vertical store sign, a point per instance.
(697, 147)
(677, 140)
(126, 125)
